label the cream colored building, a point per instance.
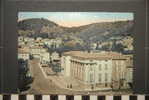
(23, 54)
(104, 69)
(55, 43)
(55, 56)
(45, 58)
(36, 51)
(129, 74)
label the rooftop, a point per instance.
(23, 51)
(36, 47)
(95, 56)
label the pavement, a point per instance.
(40, 83)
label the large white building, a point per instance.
(104, 69)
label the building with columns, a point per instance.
(104, 69)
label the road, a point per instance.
(42, 85)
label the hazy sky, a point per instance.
(70, 19)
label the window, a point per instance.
(106, 77)
(106, 66)
(99, 67)
(99, 77)
(106, 60)
(91, 68)
(91, 78)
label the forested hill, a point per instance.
(105, 32)
(39, 26)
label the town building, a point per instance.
(23, 54)
(28, 39)
(45, 58)
(104, 69)
(53, 43)
(20, 38)
(36, 51)
(55, 56)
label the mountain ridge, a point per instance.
(94, 33)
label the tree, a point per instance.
(56, 68)
(117, 47)
(105, 47)
(24, 78)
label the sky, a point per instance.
(74, 19)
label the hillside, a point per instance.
(93, 34)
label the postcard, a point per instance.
(75, 52)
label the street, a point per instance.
(40, 83)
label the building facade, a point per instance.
(45, 58)
(108, 69)
(23, 54)
(37, 51)
(55, 56)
